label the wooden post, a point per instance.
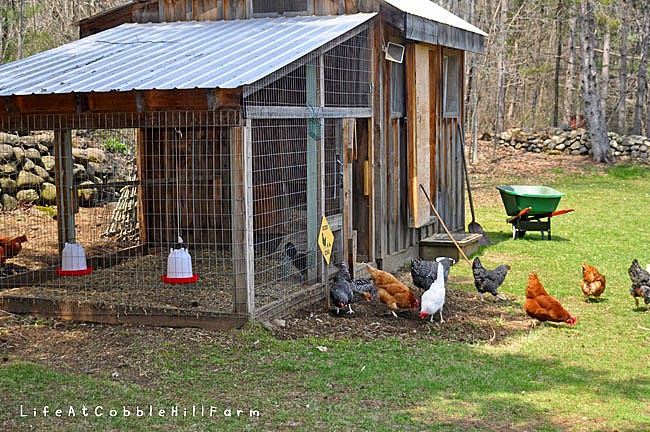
(141, 156)
(65, 198)
(313, 180)
(242, 220)
(349, 142)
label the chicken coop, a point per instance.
(226, 135)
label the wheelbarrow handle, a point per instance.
(555, 213)
(520, 214)
(559, 212)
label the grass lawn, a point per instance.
(591, 377)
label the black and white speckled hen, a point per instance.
(489, 280)
(364, 288)
(640, 282)
(424, 273)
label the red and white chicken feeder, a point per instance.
(73, 261)
(179, 266)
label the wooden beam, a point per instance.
(272, 112)
(313, 168)
(379, 146)
(241, 192)
(121, 102)
(69, 310)
(65, 196)
(283, 307)
(349, 135)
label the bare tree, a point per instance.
(570, 77)
(499, 118)
(591, 94)
(641, 77)
(621, 105)
(607, 37)
(558, 61)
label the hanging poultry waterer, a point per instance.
(73, 261)
(179, 267)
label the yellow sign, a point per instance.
(326, 239)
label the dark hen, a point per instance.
(299, 260)
(341, 292)
(489, 280)
(640, 282)
(424, 273)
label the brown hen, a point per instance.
(593, 283)
(543, 307)
(10, 247)
(393, 293)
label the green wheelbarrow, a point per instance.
(530, 208)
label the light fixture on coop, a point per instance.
(179, 261)
(73, 261)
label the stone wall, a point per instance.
(27, 169)
(575, 142)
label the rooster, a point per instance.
(433, 299)
(640, 283)
(10, 247)
(593, 283)
(425, 272)
(341, 292)
(393, 293)
(543, 307)
(489, 280)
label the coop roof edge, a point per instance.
(179, 55)
(425, 21)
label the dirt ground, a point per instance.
(122, 349)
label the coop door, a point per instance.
(421, 108)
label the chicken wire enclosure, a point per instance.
(127, 193)
(297, 150)
(289, 199)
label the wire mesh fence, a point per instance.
(153, 185)
(137, 191)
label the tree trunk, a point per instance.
(558, 57)
(641, 79)
(622, 75)
(569, 108)
(472, 92)
(591, 94)
(605, 72)
(500, 72)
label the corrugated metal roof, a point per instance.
(433, 12)
(179, 55)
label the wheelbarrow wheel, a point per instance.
(516, 233)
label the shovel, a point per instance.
(445, 226)
(473, 227)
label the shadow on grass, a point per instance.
(504, 400)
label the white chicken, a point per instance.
(433, 299)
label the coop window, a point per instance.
(451, 85)
(267, 7)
